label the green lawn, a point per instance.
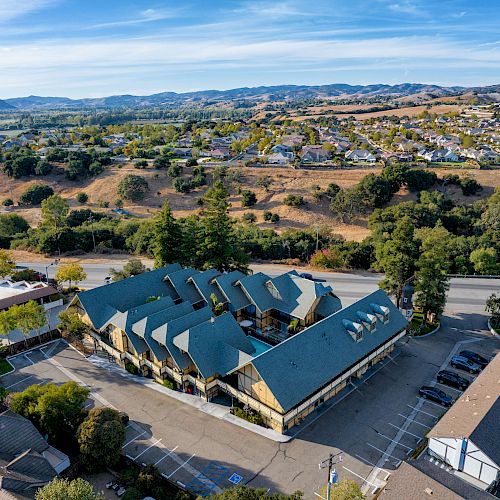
(5, 367)
(418, 327)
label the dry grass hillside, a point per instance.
(284, 181)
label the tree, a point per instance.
(219, 245)
(249, 493)
(28, 317)
(10, 226)
(72, 272)
(248, 198)
(420, 180)
(431, 277)
(64, 489)
(485, 260)
(132, 268)
(54, 212)
(395, 173)
(374, 191)
(149, 478)
(345, 489)
(7, 264)
(35, 194)
(7, 322)
(470, 186)
(167, 238)
(293, 200)
(133, 187)
(397, 256)
(55, 410)
(100, 437)
(71, 324)
(493, 307)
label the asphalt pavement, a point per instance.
(465, 294)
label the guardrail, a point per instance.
(484, 276)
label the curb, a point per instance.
(428, 334)
(492, 330)
(195, 402)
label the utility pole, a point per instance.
(332, 473)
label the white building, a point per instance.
(467, 436)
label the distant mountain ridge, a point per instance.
(277, 92)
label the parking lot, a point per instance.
(375, 423)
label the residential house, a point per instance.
(440, 155)
(27, 461)
(360, 155)
(279, 159)
(266, 332)
(219, 153)
(466, 436)
(315, 154)
(292, 141)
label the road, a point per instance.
(465, 295)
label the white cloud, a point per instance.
(12, 9)
(145, 16)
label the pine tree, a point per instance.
(219, 244)
(167, 239)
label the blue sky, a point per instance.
(89, 48)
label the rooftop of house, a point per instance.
(21, 291)
(476, 413)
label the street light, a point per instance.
(56, 261)
(332, 473)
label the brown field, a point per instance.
(284, 181)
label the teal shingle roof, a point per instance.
(102, 302)
(205, 287)
(187, 291)
(216, 346)
(233, 294)
(165, 333)
(301, 365)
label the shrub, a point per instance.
(35, 194)
(254, 418)
(132, 494)
(249, 217)
(470, 186)
(293, 200)
(183, 185)
(141, 164)
(267, 215)
(7, 202)
(327, 259)
(174, 171)
(275, 218)
(82, 198)
(191, 162)
(248, 198)
(420, 180)
(169, 384)
(131, 368)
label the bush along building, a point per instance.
(282, 346)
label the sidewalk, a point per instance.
(215, 410)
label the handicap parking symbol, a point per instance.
(235, 478)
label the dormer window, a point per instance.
(369, 321)
(382, 312)
(355, 330)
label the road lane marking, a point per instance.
(166, 455)
(180, 466)
(150, 446)
(132, 440)
(20, 381)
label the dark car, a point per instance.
(436, 395)
(307, 276)
(475, 358)
(465, 364)
(452, 379)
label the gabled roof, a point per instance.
(255, 289)
(216, 346)
(320, 353)
(165, 333)
(233, 293)
(186, 291)
(102, 302)
(18, 434)
(476, 413)
(125, 320)
(205, 286)
(144, 328)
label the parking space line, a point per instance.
(394, 441)
(31, 361)
(360, 477)
(180, 466)
(132, 440)
(20, 381)
(385, 453)
(432, 403)
(414, 421)
(166, 455)
(150, 446)
(407, 432)
(421, 411)
(375, 466)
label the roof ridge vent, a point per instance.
(354, 329)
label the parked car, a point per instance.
(120, 491)
(436, 395)
(307, 276)
(452, 379)
(475, 358)
(108, 280)
(465, 364)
